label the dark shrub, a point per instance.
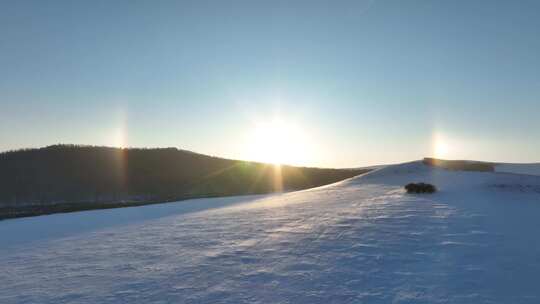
(420, 188)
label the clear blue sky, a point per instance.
(367, 81)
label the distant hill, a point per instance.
(64, 178)
(471, 165)
(462, 165)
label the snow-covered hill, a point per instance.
(532, 169)
(362, 240)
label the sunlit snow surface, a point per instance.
(359, 241)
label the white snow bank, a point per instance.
(26, 230)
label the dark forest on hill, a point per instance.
(64, 178)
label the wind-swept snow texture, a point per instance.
(363, 240)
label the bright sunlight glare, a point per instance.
(277, 142)
(441, 146)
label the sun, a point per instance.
(441, 147)
(277, 142)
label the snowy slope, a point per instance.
(532, 169)
(362, 240)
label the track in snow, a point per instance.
(358, 241)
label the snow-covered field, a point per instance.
(358, 241)
(532, 169)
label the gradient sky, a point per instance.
(367, 82)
